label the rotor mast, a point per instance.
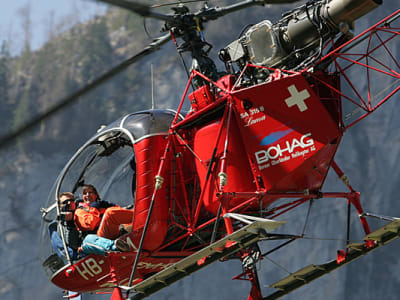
(188, 26)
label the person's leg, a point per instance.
(57, 243)
(93, 244)
(113, 217)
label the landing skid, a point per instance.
(224, 247)
(382, 236)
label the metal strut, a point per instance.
(249, 263)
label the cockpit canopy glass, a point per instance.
(108, 163)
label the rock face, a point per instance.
(369, 155)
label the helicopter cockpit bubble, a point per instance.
(106, 161)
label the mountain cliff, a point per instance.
(34, 81)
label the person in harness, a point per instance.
(90, 210)
(94, 215)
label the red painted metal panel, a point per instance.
(148, 153)
(92, 273)
(239, 175)
(285, 129)
(201, 98)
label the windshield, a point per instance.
(111, 173)
(108, 163)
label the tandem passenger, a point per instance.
(89, 216)
(90, 210)
(96, 215)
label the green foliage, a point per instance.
(39, 80)
(40, 63)
(21, 115)
(128, 20)
(4, 72)
(4, 87)
(95, 48)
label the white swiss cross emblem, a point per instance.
(297, 98)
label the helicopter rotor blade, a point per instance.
(154, 46)
(212, 14)
(139, 8)
(207, 14)
(278, 1)
(145, 11)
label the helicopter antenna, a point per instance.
(152, 87)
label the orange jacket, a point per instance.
(87, 219)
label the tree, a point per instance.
(4, 72)
(4, 87)
(25, 14)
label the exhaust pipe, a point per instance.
(302, 30)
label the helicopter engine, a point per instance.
(289, 42)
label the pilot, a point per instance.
(71, 235)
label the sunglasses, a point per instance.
(66, 205)
(67, 202)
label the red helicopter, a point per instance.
(257, 142)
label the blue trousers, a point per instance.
(93, 244)
(57, 244)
